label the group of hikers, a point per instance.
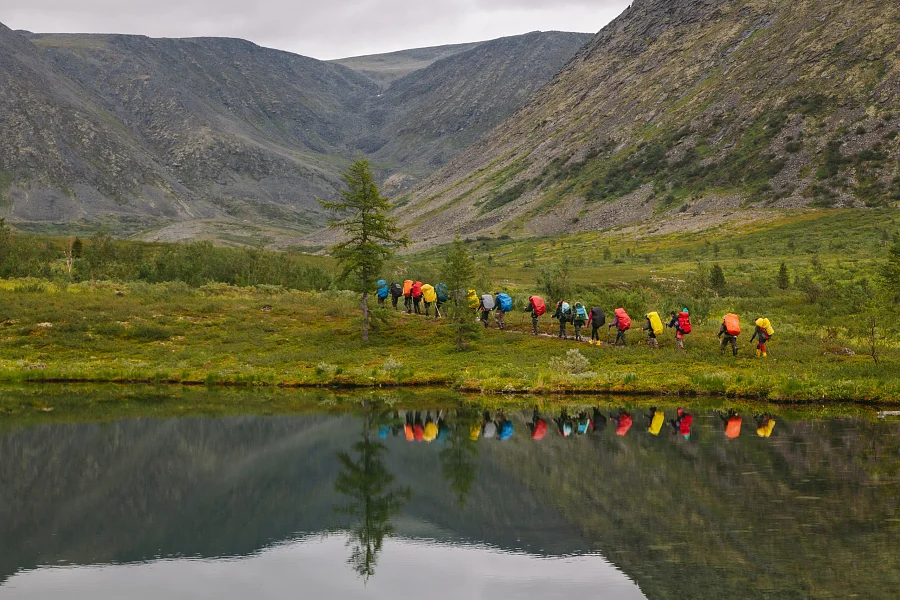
(432, 426)
(420, 298)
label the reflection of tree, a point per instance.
(458, 459)
(366, 482)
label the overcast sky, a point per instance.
(319, 28)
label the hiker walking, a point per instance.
(622, 323)
(383, 292)
(682, 324)
(537, 307)
(503, 304)
(579, 318)
(485, 306)
(396, 293)
(407, 296)
(537, 426)
(563, 310)
(429, 297)
(443, 295)
(596, 319)
(763, 333)
(417, 296)
(653, 327)
(729, 332)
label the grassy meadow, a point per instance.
(120, 328)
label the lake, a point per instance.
(356, 502)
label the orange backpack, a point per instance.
(732, 324)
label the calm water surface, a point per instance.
(343, 506)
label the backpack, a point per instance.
(487, 301)
(598, 317)
(684, 322)
(582, 426)
(472, 298)
(383, 289)
(624, 319)
(537, 304)
(428, 293)
(506, 430)
(505, 302)
(565, 309)
(580, 312)
(732, 324)
(417, 289)
(766, 326)
(655, 323)
(407, 287)
(396, 289)
(443, 294)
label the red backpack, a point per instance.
(684, 322)
(624, 319)
(538, 304)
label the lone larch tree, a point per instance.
(370, 234)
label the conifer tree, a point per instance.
(784, 279)
(459, 273)
(717, 279)
(371, 235)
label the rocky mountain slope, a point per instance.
(156, 131)
(685, 106)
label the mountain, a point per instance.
(180, 132)
(685, 106)
(386, 68)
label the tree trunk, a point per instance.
(365, 311)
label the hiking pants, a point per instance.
(562, 329)
(381, 302)
(428, 308)
(620, 335)
(595, 333)
(652, 341)
(485, 316)
(679, 340)
(729, 339)
(577, 332)
(408, 304)
(500, 323)
(394, 301)
(417, 302)
(534, 323)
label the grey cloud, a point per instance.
(316, 28)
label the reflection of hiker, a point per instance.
(579, 318)
(657, 419)
(417, 296)
(383, 292)
(622, 323)
(444, 430)
(763, 333)
(537, 426)
(598, 422)
(622, 422)
(731, 329)
(407, 295)
(488, 427)
(408, 428)
(583, 423)
(563, 311)
(505, 427)
(396, 293)
(502, 304)
(418, 428)
(682, 324)
(537, 307)
(653, 327)
(596, 319)
(732, 421)
(431, 429)
(682, 423)
(564, 424)
(765, 424)
(485, 306)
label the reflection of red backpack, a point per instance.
(684, 322)
(624, 319)
(538, 304)
(540, 430)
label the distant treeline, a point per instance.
(195, 263)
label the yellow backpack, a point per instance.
(655, 323)
(766, 325)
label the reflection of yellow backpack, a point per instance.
(766, 325)
(474, 300)
(655, 323)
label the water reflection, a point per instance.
(674, 501)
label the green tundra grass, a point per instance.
(134, 331)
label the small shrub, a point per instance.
(573, 363)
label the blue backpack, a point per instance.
(506, 430)
(383, 289)
(443, 294)
(505, 302)
(580, 312)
